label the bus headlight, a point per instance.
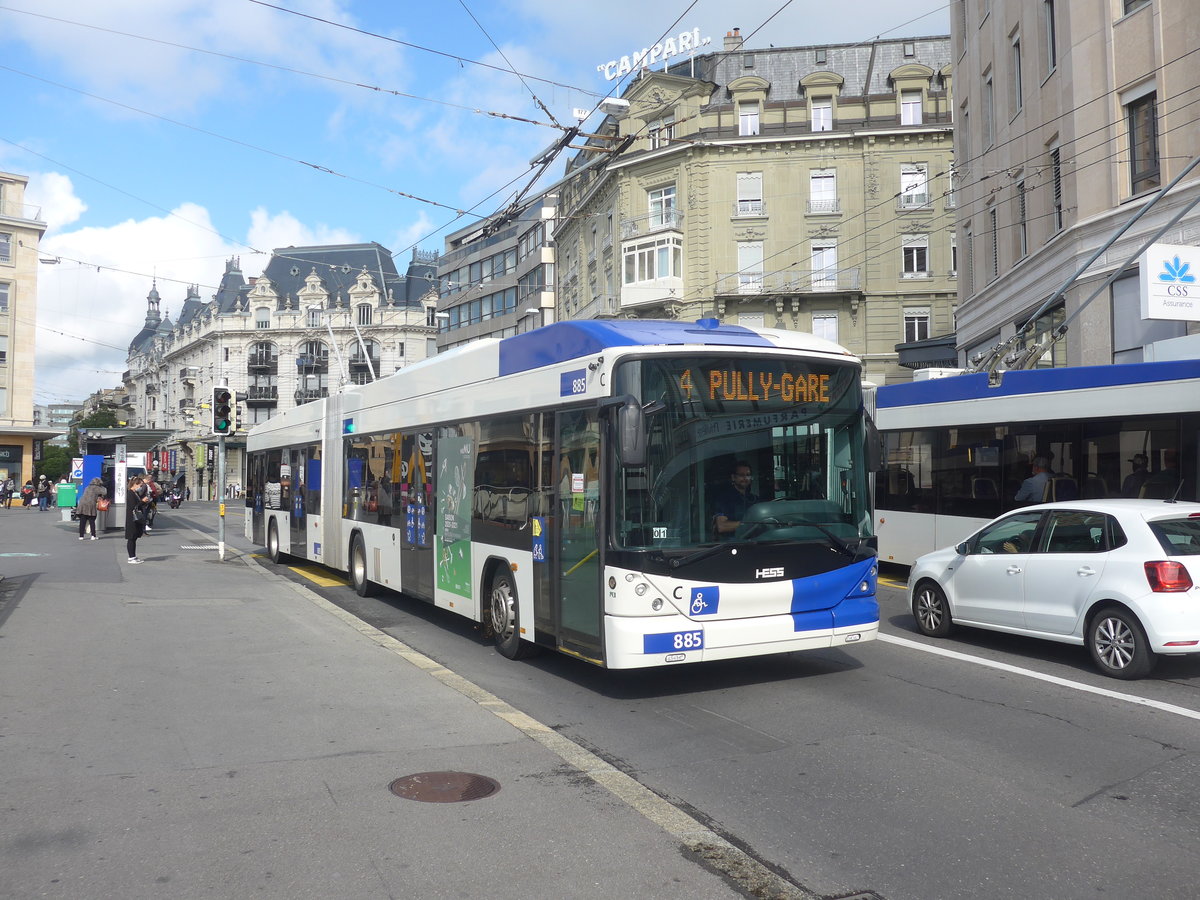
(656, 604)
(641, 588)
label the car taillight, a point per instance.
(1167, 576)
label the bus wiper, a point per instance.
(705, 553)
(839, 543)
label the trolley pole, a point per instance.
(220, 486)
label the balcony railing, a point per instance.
(789, 281)
(912, 201)
(828, 207)
(667, 220)
(358, 361)
(187, 403)
(262, 361)
(260, 395)
(749, 208)
(306, 361)
(309, 394)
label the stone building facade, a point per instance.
(317, 319)
(805, 188)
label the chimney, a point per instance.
(733, 39)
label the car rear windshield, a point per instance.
(1179, 537)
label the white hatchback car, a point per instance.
(1111, 574)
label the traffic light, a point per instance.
(239, 398)
(222, 411)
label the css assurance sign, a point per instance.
(1170, 277)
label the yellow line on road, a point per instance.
(892, 582)
(319, 576)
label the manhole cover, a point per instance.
(444, 787)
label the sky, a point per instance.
(163, 138)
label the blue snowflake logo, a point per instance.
(1174, 270)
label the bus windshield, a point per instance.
(794, 424)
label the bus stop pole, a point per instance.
(220, 488)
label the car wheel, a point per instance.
(505, 614)
(1118, 644)
(358, 567)
(930, 609)
(274, 552)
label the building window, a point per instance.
(824, 267)
(989, 111)
(1017, 86)
(1056, 186)
(1050, 32)
(748, 118)
(364, 314)
(822, 191)
(3, 349)
(910, 107)
(651, 260)
(314, 318)
(1130, 5)
(5, 292)
(749, 194)
(6, 245)
(1141, 119)
(953, 254)
(914, 185)
(910, 49)
(992, 223)
(662, 206)
(969, 239)
(819, 56)
(916, 324)
(262, 317)
(914, 249)
(661, 132)
(750, 267)
(399, 349)
(431, 317)
(825, 325)
(1022, 222)
(822, 115)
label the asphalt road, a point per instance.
(1008, 768)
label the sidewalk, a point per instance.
(190, 728)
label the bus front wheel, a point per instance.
(358, 567)
(274, 553)
(505, 613)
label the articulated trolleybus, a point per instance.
(559, 488)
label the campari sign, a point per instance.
(1170, 276)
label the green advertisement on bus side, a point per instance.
(456, 474)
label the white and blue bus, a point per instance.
(558, 487)
(956, 449)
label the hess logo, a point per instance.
(773, 572)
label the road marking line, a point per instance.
(1053, 679)
(319, 576)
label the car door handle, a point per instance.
(1084, 571)
(1013, 570)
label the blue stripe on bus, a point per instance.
(571, 340)
(829, 588)
(1031, 381)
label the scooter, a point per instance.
(175, 499)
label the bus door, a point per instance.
(297, 508)
(576, 589)
(415, 503)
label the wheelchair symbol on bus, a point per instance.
(704, 601)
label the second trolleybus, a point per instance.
(558, 487)
(957, 449)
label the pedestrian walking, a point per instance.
(154, 491)
(28, 495)
(7, 489)
(43, 494)
(86, 510)
(137, 496)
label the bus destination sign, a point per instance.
(766, 385)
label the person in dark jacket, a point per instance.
(136, 499)
(86, 510)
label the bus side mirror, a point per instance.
(631, 428)
(874, 452)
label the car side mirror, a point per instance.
(961, 549)
(631, 428)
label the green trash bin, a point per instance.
(66, 494)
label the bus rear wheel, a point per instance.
(505, 614)
(358, 567)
